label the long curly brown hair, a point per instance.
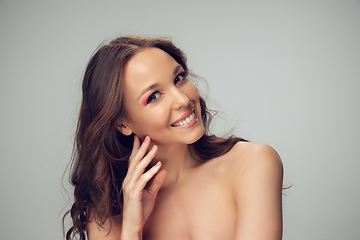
(99, 163)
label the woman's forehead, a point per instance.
(149, 65)
(148, 59)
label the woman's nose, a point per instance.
(180, 99)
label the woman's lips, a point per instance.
(185, 118)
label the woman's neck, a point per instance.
(177, 160)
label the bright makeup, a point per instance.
(145, 99)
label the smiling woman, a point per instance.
(145, 165)
(159, 98)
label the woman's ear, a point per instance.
(124, 128)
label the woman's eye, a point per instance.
(154, 97)
(179, 78)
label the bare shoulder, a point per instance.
(111, 230)
(246, 157)
(256, 175)
(252, 149)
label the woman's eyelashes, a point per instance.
(154, 96)
(180, 77)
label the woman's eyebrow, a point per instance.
(151, 87)
(155, 85)
(176, 70)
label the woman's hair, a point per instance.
(99, 162)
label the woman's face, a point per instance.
(160, 101)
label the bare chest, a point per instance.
(201, 208)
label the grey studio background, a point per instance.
(286, 73)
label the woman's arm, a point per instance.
(258, 193)
(138, 201)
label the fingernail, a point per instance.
(153, 148)
(158, 163)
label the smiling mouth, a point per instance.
(185, 121)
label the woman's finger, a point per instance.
(134, 150)
(136, 146)
(138, 152)
(145, 178)
(158, 181)
(139, 169)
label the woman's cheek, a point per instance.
(161, 116)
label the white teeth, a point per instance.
(186, 121)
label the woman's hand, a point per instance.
(138, 201)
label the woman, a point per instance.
(145, 166)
